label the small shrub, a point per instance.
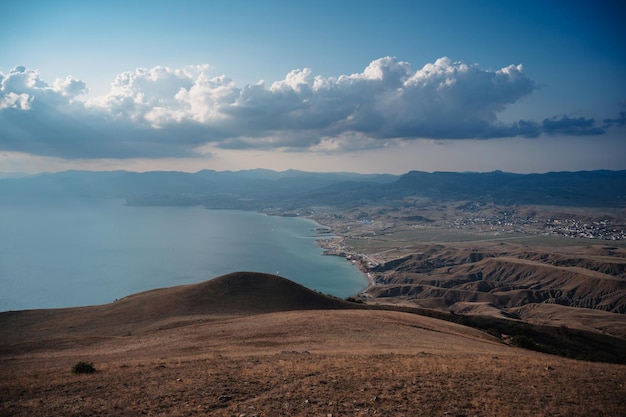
(84, 368)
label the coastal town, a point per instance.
(474, 219)
(371, 236)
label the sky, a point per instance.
(362, 86)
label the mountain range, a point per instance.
(259, 189)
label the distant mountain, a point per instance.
(252, 189)
(584, 188)
(258, 189)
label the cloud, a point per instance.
(167, 112)
(620, 120)
(15, 101)
(578, 126)
(27, 85)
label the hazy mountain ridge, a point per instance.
(257, 189)
(170, 187)
(592, 188)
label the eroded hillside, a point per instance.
(502, 278)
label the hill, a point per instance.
(585, 286)
(236, 294)
(250, 344)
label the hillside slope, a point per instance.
(235, 294)
(250, 344)
(506, 279)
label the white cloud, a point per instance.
(349, 141)
(164, 111)
(15, 101)
(26, 84)
(69, 87)
(144, 95)
(204, 99)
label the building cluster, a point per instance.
(572, 227)
(577, 229)
(499, 223)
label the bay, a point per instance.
(66, 255)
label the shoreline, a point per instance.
(104, 279)
(334, 246)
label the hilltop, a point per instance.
(259, 345)
(232, 295)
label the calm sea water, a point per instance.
(85, 254)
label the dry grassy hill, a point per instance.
(513, 281)
(235, 294)
(251, 344)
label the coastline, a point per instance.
(154, 247)
(448, 269)
(335, 246)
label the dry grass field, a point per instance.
(222, 349)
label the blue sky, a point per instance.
(320, 86)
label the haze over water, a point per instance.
(83, 254)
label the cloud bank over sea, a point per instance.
(178, 112)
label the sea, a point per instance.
(88, 253)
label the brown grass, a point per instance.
(291, 363)
(510, 280)
(300, 384)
